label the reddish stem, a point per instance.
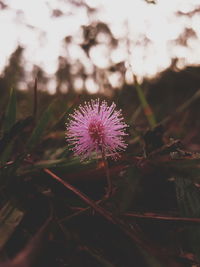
(132, 233)
(161, 217)
(109, 181)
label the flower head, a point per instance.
(96, 127)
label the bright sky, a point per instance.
(25, 22)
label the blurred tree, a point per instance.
(76, 72)
(63, 77)
(189, 14)
(12, 74)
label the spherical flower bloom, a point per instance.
(97, 128)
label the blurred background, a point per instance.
(100, 48)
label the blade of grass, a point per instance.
(33, 140)
(35, 102)
(62, 165)
(10, 114)
(40, 128)
(145, 105)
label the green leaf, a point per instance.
(40, 128)
(61, 165)
(10, 115)
(32, 141)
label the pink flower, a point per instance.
(96, 128)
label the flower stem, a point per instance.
(107, 171)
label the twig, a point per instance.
(157, 216)
(131, 233)
(79, 212)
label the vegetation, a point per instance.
(53, 208)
